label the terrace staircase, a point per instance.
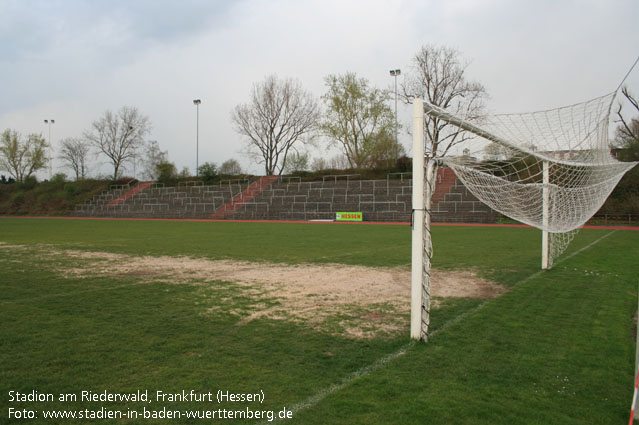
(246, 196)
(445, 180)
(140, 187)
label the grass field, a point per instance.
(556, 348)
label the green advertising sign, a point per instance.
(348, 216)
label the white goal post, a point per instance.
(417, 270)
(549, 169)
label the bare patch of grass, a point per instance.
(360, 301)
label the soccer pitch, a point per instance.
(154, 321)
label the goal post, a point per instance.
(548, 169)
(424, 178)
(545, 235)
(417, 221)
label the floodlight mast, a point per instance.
(395, 73)
(49, 122)
(197, 103)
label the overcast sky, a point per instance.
(72, 60)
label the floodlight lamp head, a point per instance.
(197, 101)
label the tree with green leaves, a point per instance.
(208, 172)
(22, 157)
(166, 173)
(386, 151)
(357, 117)
(230, 167)
(297, 161)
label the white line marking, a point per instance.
(350, 378)
(579, 251)
(366, 370)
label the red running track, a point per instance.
(635, 228)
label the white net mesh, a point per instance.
(504, 165)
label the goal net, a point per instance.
(550, 169)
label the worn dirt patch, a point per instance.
(329, 281)
(367, 300)
(4, 245)
(357, 301)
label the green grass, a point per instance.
(556, 348)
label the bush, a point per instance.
(29, 183)
(208, 172)
(58, 178)
(17, 197)
(167, 173)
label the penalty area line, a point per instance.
(367, 370)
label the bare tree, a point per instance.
(152, 156)
(438, 75)
(279, 114)
(74, 153)
(119, 135)
(627, 132)
(337, 162)
(21, 158)
(357, 117)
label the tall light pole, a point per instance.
(50, 148)
(197, 102)
(395, 73)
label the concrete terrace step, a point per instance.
(275, 198)
(251, 192)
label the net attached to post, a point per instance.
(503, 166)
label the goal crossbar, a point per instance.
(441, 114)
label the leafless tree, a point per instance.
(438, 76)
(627, 132)
(21, 158)
(74, 153)
(278, 116)
(119, 135)
(152, 156)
